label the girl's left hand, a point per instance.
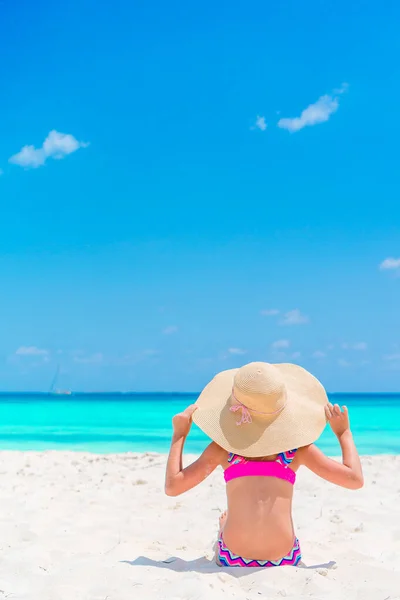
(182, 422)
(338, 420)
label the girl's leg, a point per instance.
(222, 521)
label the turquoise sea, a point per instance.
(108, 423)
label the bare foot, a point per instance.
(222, 520)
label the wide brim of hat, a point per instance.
(299, 424)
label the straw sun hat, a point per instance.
(262, 409)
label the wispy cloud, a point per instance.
(170, 330)
(238, 351)
(31, 351)
(132, 359)
(392, 362)
(316, 113)
(57, 146)
(343, 363)
(296, 355)
(390, 264)
(319, 354)
(392, 366)
(281, 344)
(392, 357)
(260, 123)
(270, 312)
(360, 346)
(357, 346)
(294, 317)
(92, 359)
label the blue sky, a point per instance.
(189, 187)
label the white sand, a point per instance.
(76, 527)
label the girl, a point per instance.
(263, 420)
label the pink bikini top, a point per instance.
(279, 468)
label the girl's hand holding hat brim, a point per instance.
(337, 418)
(182, 422)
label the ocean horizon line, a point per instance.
(141, 422)
(69, 393)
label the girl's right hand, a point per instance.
(338, 420)
(182, 422)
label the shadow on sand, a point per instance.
(203, 565)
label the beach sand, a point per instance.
(86, 527)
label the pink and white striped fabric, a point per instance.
(229, 559)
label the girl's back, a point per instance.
(259, 517)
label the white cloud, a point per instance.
(296, 354)
(343, 363)
(360, 346)
(343, 88)
(28, 157)
(316, 113)
(390, 264)
(31, 351)
(57, 145)
(126, 360)
(357, 346)
(238, 351)
(170, 330)
(391, 357)
(319, 354)
(281, 344)
(92, 359)
(260, 123)
(393, 366)
(270, 312)
(294, 317)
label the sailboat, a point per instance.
(57, 391)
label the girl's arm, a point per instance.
(178, 479)
(348, 474)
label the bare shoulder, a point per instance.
(214, 453)
(299, 458)
(303, 454)
(310, 455)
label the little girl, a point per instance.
(283, 410)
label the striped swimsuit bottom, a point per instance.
(240, 467)
(227, 559)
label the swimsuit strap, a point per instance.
(284, 458)
(235, 459)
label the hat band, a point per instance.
(246, 416)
